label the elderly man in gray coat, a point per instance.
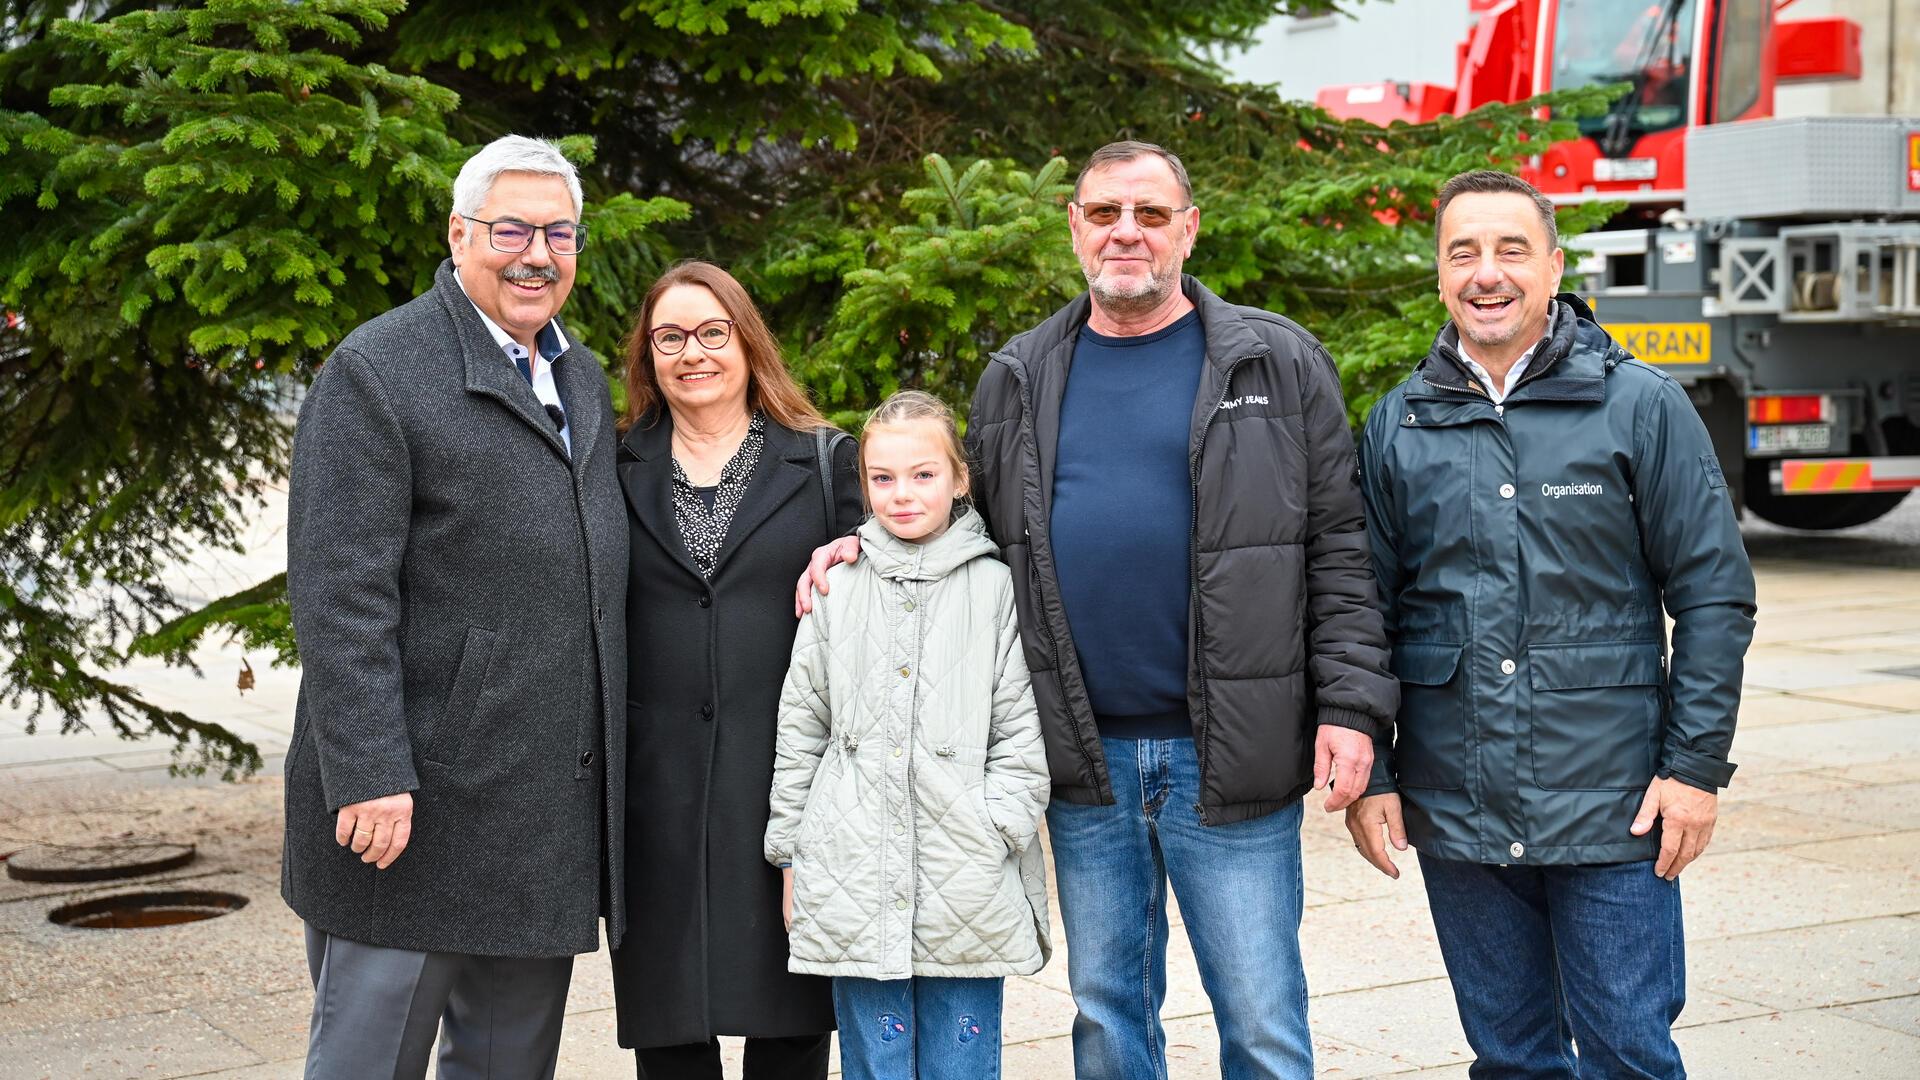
(456, 558)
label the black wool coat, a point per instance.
(706, 953)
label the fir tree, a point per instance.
(201, 200)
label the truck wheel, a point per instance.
(1817, 513)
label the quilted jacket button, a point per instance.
(900, 905)
(904, 673)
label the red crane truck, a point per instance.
(1771, 265)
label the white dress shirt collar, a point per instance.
(548, 349)
(552, 343)
(1514, 373)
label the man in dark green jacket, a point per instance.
(1537, 499)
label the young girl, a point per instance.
(909, 776)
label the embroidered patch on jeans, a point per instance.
(969, 1028)
(891, 1027)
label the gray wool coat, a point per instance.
(457, 584)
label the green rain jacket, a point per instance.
(1525, 553)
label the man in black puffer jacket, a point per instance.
(1171, 479)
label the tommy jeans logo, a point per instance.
(1249, 399)
(1554, 491)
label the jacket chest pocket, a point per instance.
(1435, 473)
(1597, 714)
(1430, 747)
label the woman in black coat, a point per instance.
(721, 465)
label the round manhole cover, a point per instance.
(126, 911)
(97, 862)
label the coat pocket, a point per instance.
(820, 801)
(996, 840)
(1597, 711)
(1430, 747)
(469, 678)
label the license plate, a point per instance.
(1779, 438)
(1632, 168)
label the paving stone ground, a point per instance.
(1803, 920)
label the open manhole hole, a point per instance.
(127, 911)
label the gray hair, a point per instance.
(1119, 153)
(511, 153)
(1495, 182)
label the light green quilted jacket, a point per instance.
(909, 778)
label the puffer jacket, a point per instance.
(909, 779)
(1526, 552)
(1284, 634)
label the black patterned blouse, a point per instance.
(702, 529)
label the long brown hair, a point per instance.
(770, 385)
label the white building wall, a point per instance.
(1406, 41)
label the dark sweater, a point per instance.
(1122, 523)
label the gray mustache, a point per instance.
(522, 272)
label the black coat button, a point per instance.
(706, 711)
(706, 601)
(586, 759)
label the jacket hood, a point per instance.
(1575, 357)
(900, 560)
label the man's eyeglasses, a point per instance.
(1148, 216)
(513, 237)
(669, 339)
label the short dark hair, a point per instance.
(1495, 182)
(1117, 153)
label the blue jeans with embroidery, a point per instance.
(1546, 957)
(922, 1028)
(1240, 897)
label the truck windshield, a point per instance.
(1648, 44)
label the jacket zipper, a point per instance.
(1193, 588)
(1033, 571)
(919, 614)
(1046, 627)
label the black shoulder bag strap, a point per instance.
(826, 441)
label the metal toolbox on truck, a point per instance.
(1809, 166)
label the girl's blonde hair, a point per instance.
(906, 407)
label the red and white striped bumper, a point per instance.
(1836, 476)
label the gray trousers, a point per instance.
(376, 1010)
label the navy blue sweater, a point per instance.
(1123, 520)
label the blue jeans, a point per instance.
(1240, 893)
(1543, 957)
(921, 1028)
